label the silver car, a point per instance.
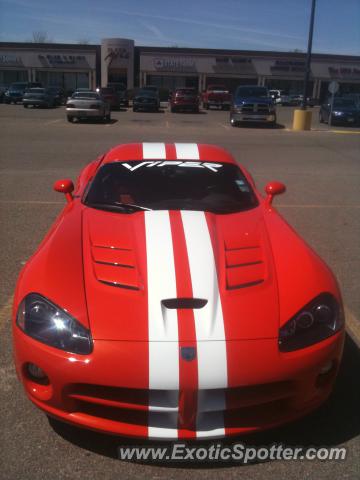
(87, 105)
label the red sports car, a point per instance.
(171, 300)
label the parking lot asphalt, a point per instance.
(321, 170)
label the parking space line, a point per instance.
(348, 132)
(51, 122)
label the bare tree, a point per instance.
(40, 36)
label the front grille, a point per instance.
(241, 406)
(255, 108)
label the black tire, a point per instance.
(70, 119)
(206, 106)
(25, 105)
(135, 109)
(321, 118)
(108, 118)
(173, 110)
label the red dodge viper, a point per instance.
(171, 300)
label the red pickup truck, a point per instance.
(216, 96)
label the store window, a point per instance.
(68, 80)
(171, 82)
(7, 77)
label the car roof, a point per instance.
(168, 151)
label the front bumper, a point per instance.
(84, 112)
(145, 106)
(348, 119)
(39, 103)
(13, 98)
(253, 117)
(108, 389)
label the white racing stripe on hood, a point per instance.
(154, 151)
(187, 151)
(209, 322)
(163, 327)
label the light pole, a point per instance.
(308, 57)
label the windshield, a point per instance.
(36, 90)
(176, 185)
(246, 92)
(107, 91)
(344, 102)
(18, 86)
(85, 95)
(147, 93)
(185, 91)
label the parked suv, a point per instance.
(252, 103)
(184, 99)
(16, 91)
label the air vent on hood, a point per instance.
(115, 266)
(175, 303)
(244, 267)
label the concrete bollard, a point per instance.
(302, 120)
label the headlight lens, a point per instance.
(338, 114)
(39, 318)
(318, 320)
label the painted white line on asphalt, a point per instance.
(224, 126)
(51, 122)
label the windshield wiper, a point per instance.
(117, 206)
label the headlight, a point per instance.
(338, 114)
(42, 320)
(318, 320)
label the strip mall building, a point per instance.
(119, 60)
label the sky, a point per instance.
(280, 25)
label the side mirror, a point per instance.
(65, 186)
(272, 189)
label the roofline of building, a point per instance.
(182, 50)
(54, 46)
(260, 53)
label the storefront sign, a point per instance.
(174, 64)
(344, 72)
(64, 61)
(236, 65)
(10, 60)
(288, 66)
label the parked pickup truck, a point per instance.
(252, 103)
(216, 96)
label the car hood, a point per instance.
(346, 109)
(135, 263)
(241, 100)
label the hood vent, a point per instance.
(244, 267)
(115, 266)
(191, 303)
